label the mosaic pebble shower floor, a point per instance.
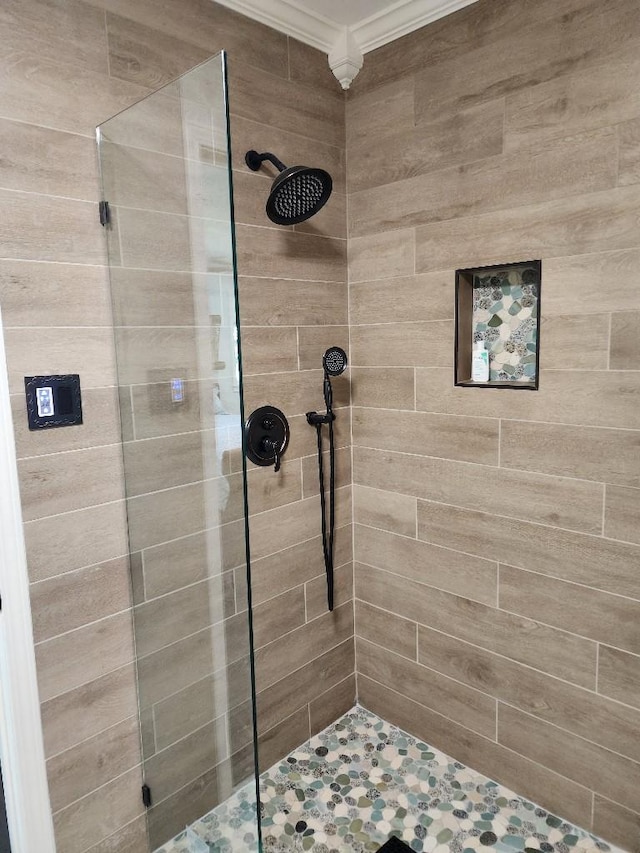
(504, 317)
(362, 780)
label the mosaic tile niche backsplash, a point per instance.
(505, 317)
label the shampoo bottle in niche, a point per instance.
(480, 363)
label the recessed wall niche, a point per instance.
(499, 306)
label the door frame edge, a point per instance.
(21, 737)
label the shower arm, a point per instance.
(255, 160)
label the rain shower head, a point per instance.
(298, 192)
(334, 361)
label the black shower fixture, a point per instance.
(298, 192)
(334, 362)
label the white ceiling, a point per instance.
(347, 12)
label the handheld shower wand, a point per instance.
(334, 362)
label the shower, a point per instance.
(189, 449)
(298, 192)
(334, 362)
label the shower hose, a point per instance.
(327, 538)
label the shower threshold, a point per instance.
(363, 781)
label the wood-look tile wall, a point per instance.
(293, 306)
(496, 532)
(67, 66)
(174, 317)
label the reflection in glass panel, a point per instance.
(165, 169)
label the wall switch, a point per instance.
(53, 401)
(177, 390)
(168, 389)
(44, 402)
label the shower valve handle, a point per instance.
(271, 446)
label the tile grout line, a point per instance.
(85, 740)
(83, 568)
(90, 448)
(106, 41)
(586, 639)
(216, 764)
(477, 734)
(114, 835)
(297, 669)
(55, 637)
(466, 509)
(459, 415)
(128, 665)
(134, 429)
(132, 769)
(305, 599)
(415, 250)
(351, 441)
(509, 703)
(504, 471)
(488, 650)
(519, 567)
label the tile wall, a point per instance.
(164, 166)
(293, 306)
(68, 65)
(496, 531)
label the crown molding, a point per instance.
(315, 29)
(291, 19)
(400, 19)
(345, 58)
(345, 46)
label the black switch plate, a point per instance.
(53, 401)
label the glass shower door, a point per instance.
(166, 178)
